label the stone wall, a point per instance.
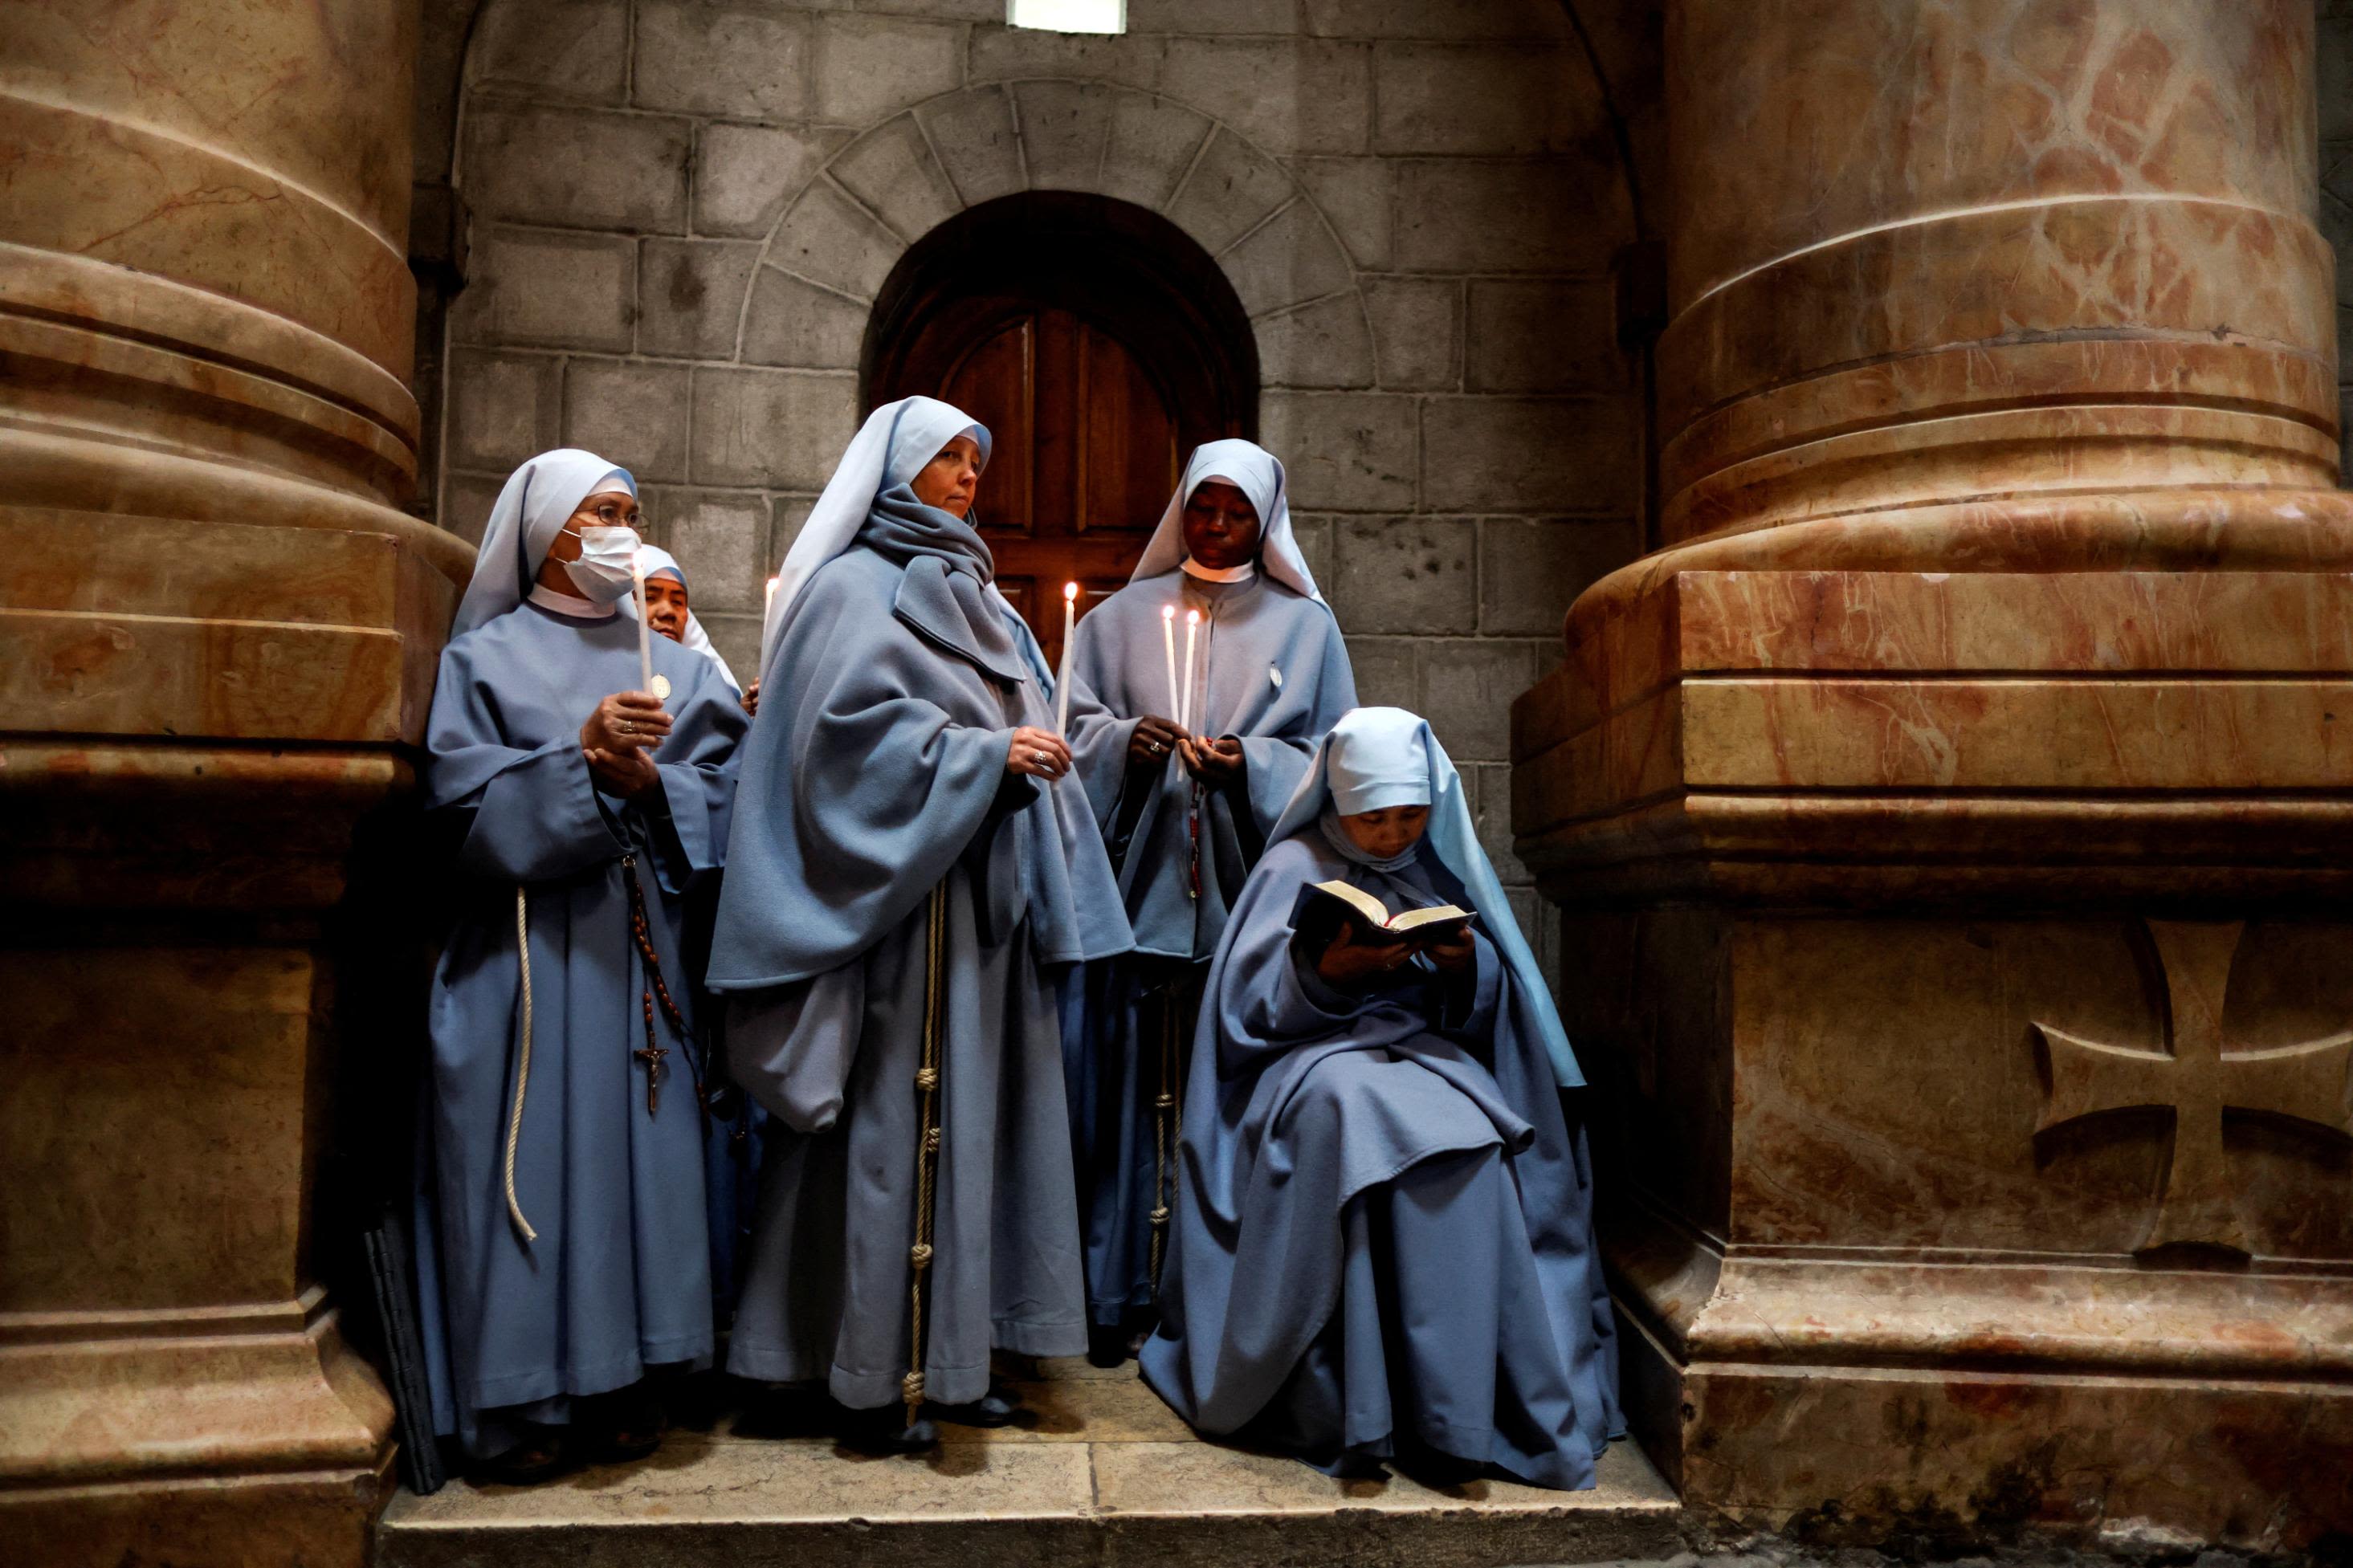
(683, 211)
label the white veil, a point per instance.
(889, 449)
(1257, 474)
(656, 562)
(529, 513)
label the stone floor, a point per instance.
(1101, 1473)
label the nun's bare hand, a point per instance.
(1156, 738)
(1351, 965)
(1453, 957)
(626, 721)
(625, 773)
(752, 698)
(1216, 761)
(1037, 753)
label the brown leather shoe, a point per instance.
(544, 1454)
(627, 1423)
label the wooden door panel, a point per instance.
(1131, 443)
(996, 382)
(1084, 450)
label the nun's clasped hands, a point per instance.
(619, 740)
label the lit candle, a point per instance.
(1062, 682)
(1192, 630)
(645, 647)
(1169, 652)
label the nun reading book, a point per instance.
(1220, 667)
(910, 868)
(1383, 1246)
(583, 773)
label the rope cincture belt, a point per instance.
(927, 1145)
(522, 1059)
(657, 993)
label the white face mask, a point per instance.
(602, 573)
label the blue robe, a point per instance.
(1250, 633)
(618, 1278)
(1384, 1236)
(876, 773)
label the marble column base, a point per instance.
(202, 948)
(1952, 928)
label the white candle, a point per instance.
(770, 602)
(1062, 681)
(1169, 652)
(1192, 630)
(645, 645)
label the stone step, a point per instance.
(1099, 1473)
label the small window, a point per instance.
(1068, 15)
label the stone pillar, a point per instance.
(1952, 822)
(217, 635)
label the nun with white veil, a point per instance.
(910, 867)
(670, 609)
(561, 1216)
(1385, 1235)
(1184, 810)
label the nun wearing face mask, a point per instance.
(1384, 1244)
(562, 1239)
(908, 870)
(1185, 812)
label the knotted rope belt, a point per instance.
(927, 1145)
(522, 1059)
(656, 993)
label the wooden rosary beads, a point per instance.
(656, 991)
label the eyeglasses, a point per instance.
(614, 513)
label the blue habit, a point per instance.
(618, 1278)
(1277, 678)
(875, 773)
(1384, 1239)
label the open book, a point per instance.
(1324, 907)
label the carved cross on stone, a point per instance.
(2196, 1079)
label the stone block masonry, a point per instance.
(684, 213)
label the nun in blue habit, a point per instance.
(732, 1152)
(1185, 812)
(561, 1229)
(1383, 1240)
(909, 868)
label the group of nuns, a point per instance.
(1037, 1053)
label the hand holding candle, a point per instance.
(1062, 681)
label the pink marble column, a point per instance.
(1952, 822)
(217, 635)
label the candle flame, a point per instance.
(1167, 612)
(1192, 617)
(1069, 590)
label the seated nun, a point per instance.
(1384, 1242)
(1185, 808)
(910, 871)
(561, 1235)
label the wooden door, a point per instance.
(1085, 448)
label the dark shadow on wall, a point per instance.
(436, 221)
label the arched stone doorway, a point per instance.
(1099, 344)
